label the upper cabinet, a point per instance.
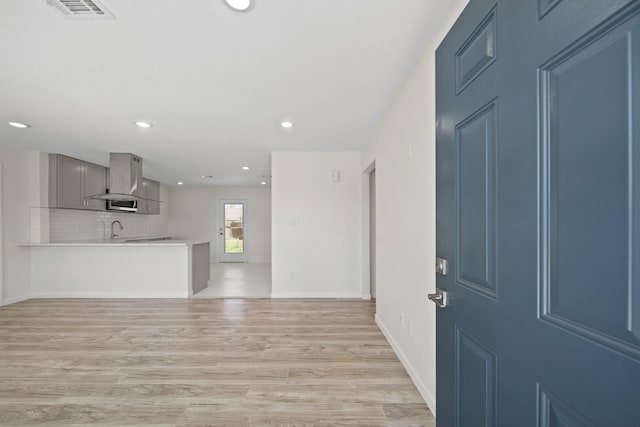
(72, 181)
(95, 182)
(151, 192)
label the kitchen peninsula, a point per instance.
(136, 268)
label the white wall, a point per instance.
(16, 184)
(316, 225)
(193, 215)
(403, 149)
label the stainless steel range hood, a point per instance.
(125, 178)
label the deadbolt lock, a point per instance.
(442, 266)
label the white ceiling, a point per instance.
(215, 83)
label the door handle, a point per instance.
(440, 298)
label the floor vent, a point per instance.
(80, 9)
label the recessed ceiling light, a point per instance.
(180, 183)
(19, 125)
(240, 5)
(245, 168)
(263, 183)
(287, 124)
(144, 124)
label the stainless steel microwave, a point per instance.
(123, 205)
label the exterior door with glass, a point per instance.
(232, 230)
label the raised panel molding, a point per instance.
(553, 412)
(477, 53)
(475, 382)
(475, 152)
(545, 6)
(602, 167)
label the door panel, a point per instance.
(475, 382)
(475, 200)
(589, 196)
(477, 53)
(553, 412)
(538, 214)
(545, 6)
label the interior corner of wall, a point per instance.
(427, 395)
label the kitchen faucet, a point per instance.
(113, 234)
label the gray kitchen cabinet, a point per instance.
(153, 193)
(95, 182)
(142, 204)
(150, 191)
(71, 181)
(68, 174)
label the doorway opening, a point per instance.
(372, 233)
(2, 301)
(368, 284)
(239, 271)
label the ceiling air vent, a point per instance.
(80, 9)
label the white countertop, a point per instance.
(126, 241)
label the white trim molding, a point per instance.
(422, 389)
(352, 295)
(16, 299)
(112, 295)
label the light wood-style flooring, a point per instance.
(201, 362)
(238, 280)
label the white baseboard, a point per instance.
(110, 295)
(422, 389)
(15, 299)
(354, 295)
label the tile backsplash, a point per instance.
(74, 225)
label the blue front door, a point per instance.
(538, 214)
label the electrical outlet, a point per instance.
(402, 318)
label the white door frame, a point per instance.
(222, 256)
(372, 232)
(1, 243)
(365, 271)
